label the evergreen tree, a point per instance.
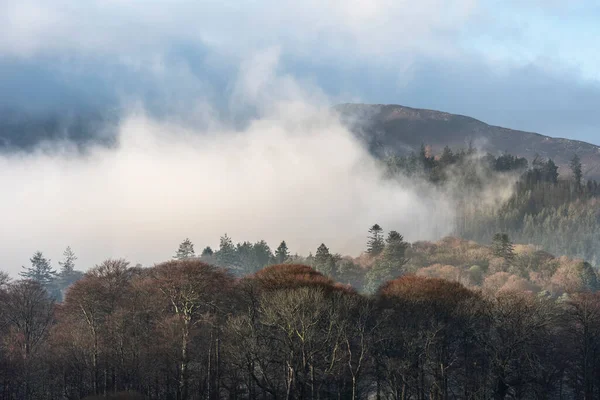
(227, 255)
(447, 157)
(577, 170)
(324, 261)
(551, 172)
(186, 250)
(207, 252)
(67, 266)
(262, 254)
(503, 247)
(67, 275)
(376, 244)
(350, 273)
(245, 258)
(381, 272)
(40, 271)
(395, 249)
(282, 253)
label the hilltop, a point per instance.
(399, 129)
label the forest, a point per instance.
(450, 319)
(559, 213)
(446, 320)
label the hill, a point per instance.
(399, 129)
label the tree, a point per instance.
(29, 311)
(282, 253)
(40, 270)
(67, 275)
(207, 252)
(395, 249)
(67, 266)
(375, 245)
(262, 254)
(227, 255)
(503, 247)
(185, 251)
(194, 293)
(577, 170)
(324, 262)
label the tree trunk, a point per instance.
(183, 371)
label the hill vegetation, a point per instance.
(397, 129)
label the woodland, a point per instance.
(449, 319)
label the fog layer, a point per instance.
(293, 173)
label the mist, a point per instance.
(294, 172)
(298, 176)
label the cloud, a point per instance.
(133, 30)
(293, 173)
(298, 175)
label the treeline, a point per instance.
(186, 330)
(561, 214)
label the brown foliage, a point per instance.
(292, 276)
(420, 289)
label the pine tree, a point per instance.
(185, 251)
(282, 253)
(67, 275)
(323, 260)
(262, 254)
(577, 171)
(395, 249)
(375, 245)
(503, 247)
(246, 257)
(207, 252)
(40, 271)
(67, 266)
(227, 255)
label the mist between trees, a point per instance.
(451, 319)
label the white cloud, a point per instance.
(298, 175)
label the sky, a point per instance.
(225, 123)
(523, 64)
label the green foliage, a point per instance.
(186, 250)
(227, 255)
(576, 170)
(324, 261)
(395, 248)
(282, 253)
(375, 244)
(40, 271)
(67, 266)
(381, 272)
(503, 247)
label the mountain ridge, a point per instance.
(395, 128)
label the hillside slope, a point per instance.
(395, 128)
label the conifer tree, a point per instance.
(227, 255)
(207, 252)
(40, 271)
(503, 247)
(262, 254)
(186, 250)
(324, 262)
(577, 170)
(282, 253)
(376, 244)
(67, 266)
(395, 249)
